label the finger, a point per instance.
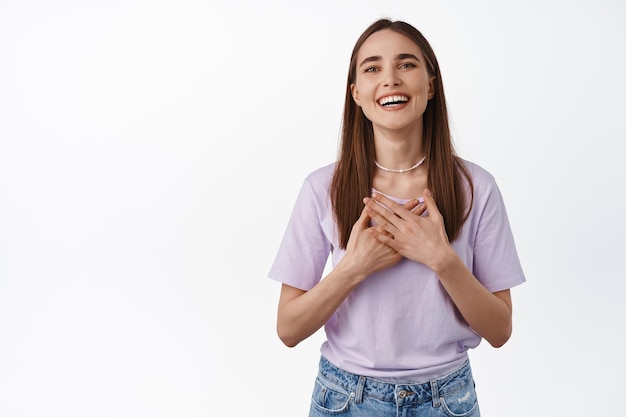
(429, 203)
(379, 213)
(419, 209)
(394, 207)
(383, 225)
(363, 220)
(385, 238)
(378, 229)
(411, 205)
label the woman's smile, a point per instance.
(393, 101)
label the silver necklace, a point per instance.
(400, 171)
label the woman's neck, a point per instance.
(398, 150)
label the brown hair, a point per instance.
(354, 170)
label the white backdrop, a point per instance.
(150, 153)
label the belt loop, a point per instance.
(360, 387)
(435, 393)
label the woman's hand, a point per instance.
(421, 239)
(365, 254)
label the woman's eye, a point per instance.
(407, 65)
(370, 69)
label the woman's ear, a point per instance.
(355, 94)
(431, 87)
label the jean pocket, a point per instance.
(461, 403)
(329, 398)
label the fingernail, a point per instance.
(427, 192)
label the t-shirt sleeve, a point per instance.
(496, 263)
(304, 249)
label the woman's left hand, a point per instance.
(419, 238)
(423, 239)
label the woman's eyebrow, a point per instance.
(370, 59)
(398, 57)
(407, 56)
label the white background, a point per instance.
(151, 151)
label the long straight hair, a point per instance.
(354, 169)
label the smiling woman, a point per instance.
(422, 252)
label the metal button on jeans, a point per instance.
(402, 394)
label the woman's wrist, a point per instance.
(350, 271)
(445, 262)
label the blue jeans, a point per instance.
(338, 392)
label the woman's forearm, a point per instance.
(489, 314)
(302, 313)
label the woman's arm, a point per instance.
(424, 240)
(489, 314)
(301, 313)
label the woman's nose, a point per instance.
(391, 79)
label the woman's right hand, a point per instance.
(365, 254)
(301, 313)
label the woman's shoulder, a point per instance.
(480, 176)
(321, 177)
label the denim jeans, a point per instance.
(341, 393)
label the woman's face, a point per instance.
(392, 82)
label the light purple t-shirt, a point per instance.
(399, 324)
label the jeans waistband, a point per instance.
(363, 386)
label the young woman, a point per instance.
(422, 252)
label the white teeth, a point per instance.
(392, 99)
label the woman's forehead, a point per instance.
(387, 42)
